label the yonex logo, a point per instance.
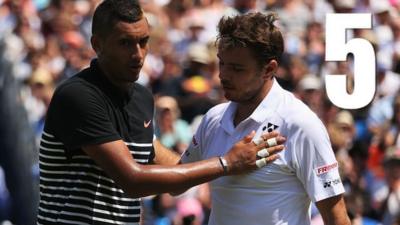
(330, 183)
(270, 127)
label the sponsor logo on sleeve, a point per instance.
(331, 183)
(326, 168)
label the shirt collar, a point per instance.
(269, 104)
(227, 118)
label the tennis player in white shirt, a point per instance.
(249, 48)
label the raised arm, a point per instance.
(141, 180)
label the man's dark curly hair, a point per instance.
(255, 31)
(110, 12)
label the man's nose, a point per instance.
(137, 52)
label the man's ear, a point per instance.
(270, 68)
(96, 44)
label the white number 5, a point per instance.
(364, 60)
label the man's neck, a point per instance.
(122, 86)
(242, 112)
(245, 109)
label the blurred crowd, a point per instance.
(43, 42)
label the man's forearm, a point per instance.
(156, 179)
(140, 180)
(333, 211)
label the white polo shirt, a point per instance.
(281, 192)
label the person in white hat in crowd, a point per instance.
(309, 90)
(173, 132)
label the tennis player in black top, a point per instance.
(98, 138)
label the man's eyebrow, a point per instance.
(147, 37)
(235, 64)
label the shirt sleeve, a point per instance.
(315, 162)
(79, 116)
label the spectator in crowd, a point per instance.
(17, 152)
(391, 208)
(356, 205)
(173, 132)
(392, 127)
(42, 86)
(309, 90)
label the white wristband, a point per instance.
(224, 164)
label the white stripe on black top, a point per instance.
(73, 190)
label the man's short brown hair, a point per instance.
(255, 31)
